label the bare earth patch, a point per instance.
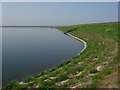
(109, 81)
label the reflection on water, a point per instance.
(31, 50)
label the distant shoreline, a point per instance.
(32, 26)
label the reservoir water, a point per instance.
(30, 50)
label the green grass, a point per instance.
(93, 71)
(62, 76)
(102, 46)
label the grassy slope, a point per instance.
(80, 71)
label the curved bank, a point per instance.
(85, 44)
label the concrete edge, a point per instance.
(85, 44)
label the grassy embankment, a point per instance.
(95, 67)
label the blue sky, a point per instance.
(60, 0)
(64, 13)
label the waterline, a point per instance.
(85, 44)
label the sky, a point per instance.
(58, 13)
(60, 0)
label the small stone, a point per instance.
(46, 80)
(80, 63)
(76, 86)
(62, 82)
(99, 68)
(22, 82)
(96, 59)
(78, 74)
(92, 74)
(36, 86)
(105, 63)
(52, 78)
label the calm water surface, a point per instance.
(30, 50)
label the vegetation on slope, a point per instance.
(95, 67)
